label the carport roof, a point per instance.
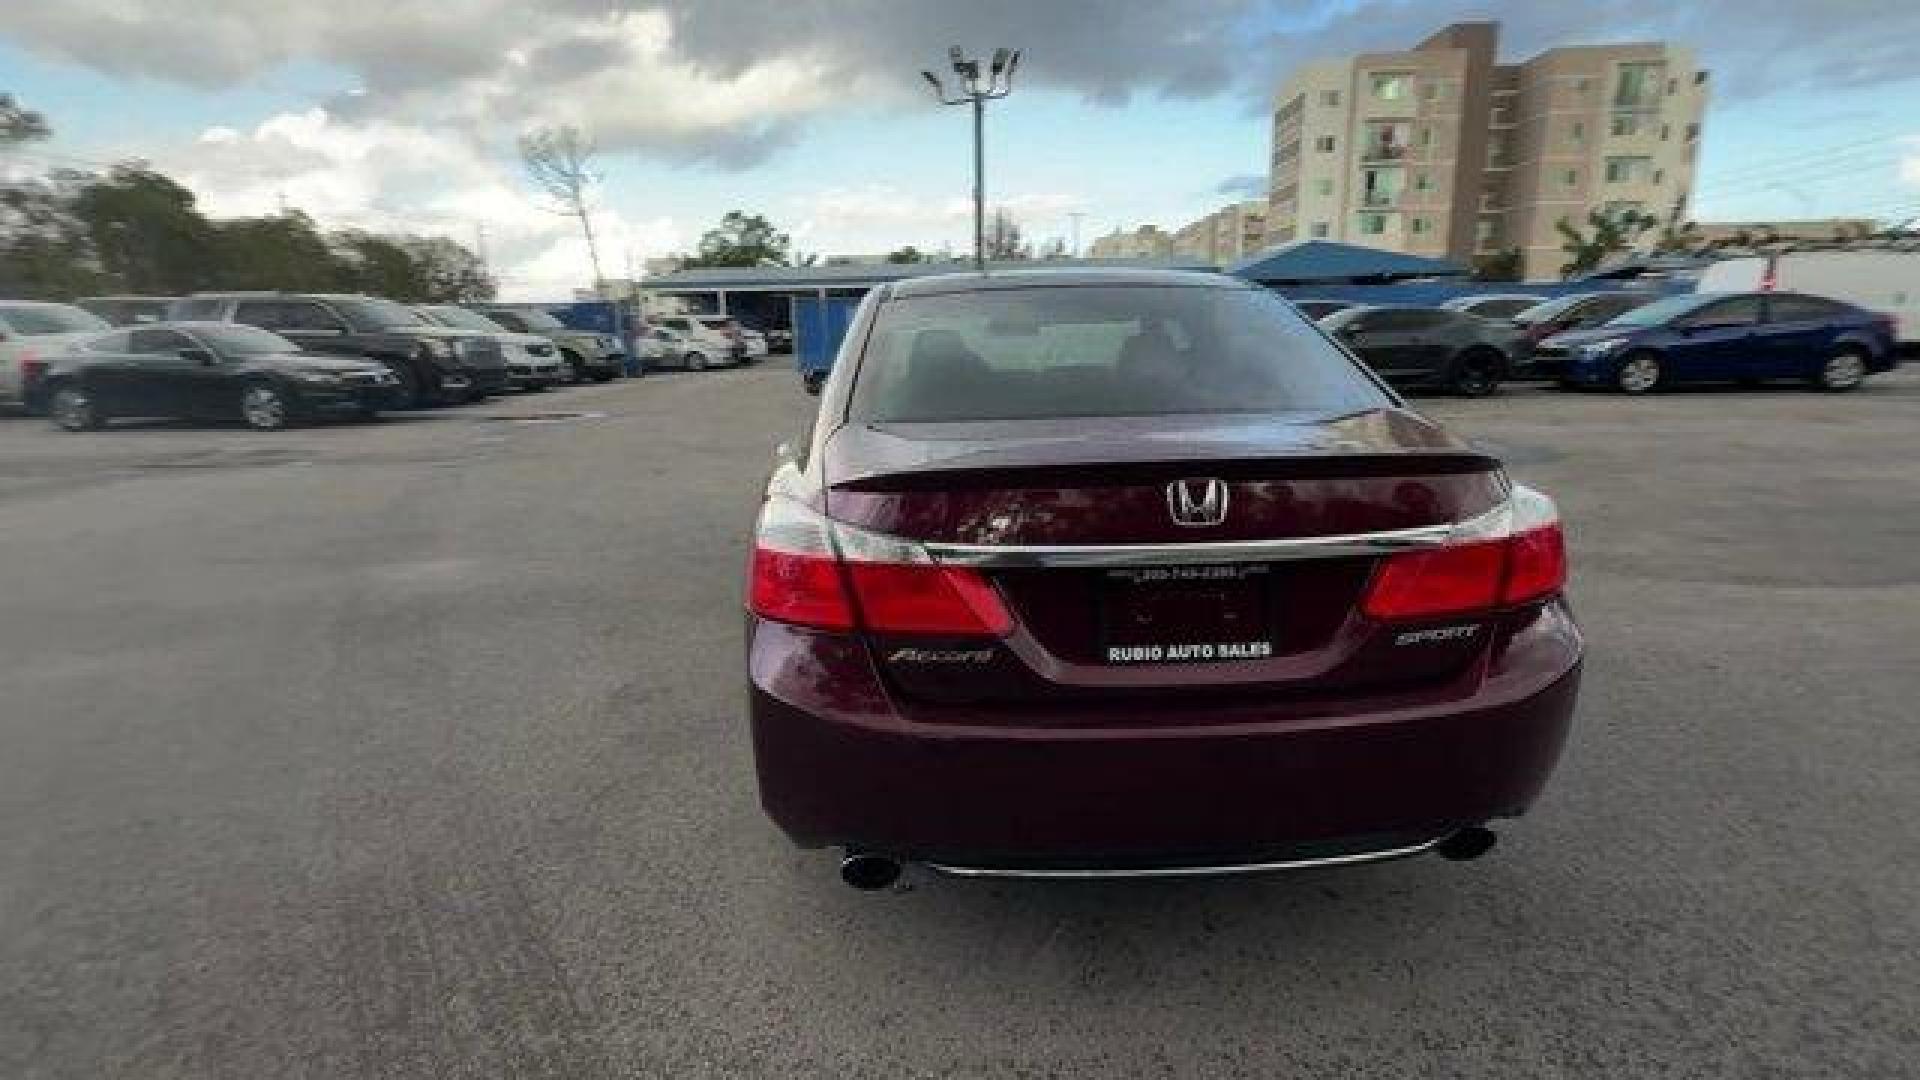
(859, 275)
(1330, 261)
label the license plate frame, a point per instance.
(1189, 614)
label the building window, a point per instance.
(1390, 86)
(1324, 144)
(1673, 86)
(1638, 86)
(1323, 186)
(1426, 136)
(1386, 141)
(1666, 132)
(1570, 177)
(1577, 132)
(1627, 170)
(1381, 187)
(1659, 176)
(1429, 91)
(1583, 85)
(1330, 98)
(1693, 132)
(1320, 230)
(1421, 225)
(1422, 182)
(1626, 124)
(1373, 224)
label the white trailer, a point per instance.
(1877, 279)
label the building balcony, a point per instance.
(1380, 201)
(1384, 152)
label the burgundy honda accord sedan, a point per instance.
(1136, 573)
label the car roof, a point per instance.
(950, 284)
(33, 304)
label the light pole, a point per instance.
(970, 90)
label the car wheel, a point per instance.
(696, 361)
(603, 376)
(264, 407)
(1478, 375)
(1639, 372)
(72, 409)
(1844, 370)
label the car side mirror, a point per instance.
(199, 356)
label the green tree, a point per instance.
(448, 272)
(908, 254)
(44, 250)
(743, 239)
(145, 230)
(1607, 233)
(19, 124)
(283, 251)
(378, 265)
(1004, 242)
(1505, 264)
(1679, 238)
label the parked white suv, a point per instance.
(30, 334)
(706, 345)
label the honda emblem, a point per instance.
(1197, 502)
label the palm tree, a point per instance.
(1609, 231)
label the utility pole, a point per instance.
(1075, 217)
(969, 90)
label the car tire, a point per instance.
(1845, 370)
(1638, 373)
(72, 409)
(603, 376)
(576, 366)
(1477, 374)
(812, 381)
(264, 407)
(696, 361)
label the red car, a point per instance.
(1137, 573)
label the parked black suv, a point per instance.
(435, 365)
(1427, 347)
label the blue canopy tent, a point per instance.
(1326, 262)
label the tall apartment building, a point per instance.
(1443, 150)
(1225, 236)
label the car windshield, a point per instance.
(1099, 351)
(51, 319)
(1661, 311)
(371, 313)
(461, 318)
(235, 339)
(540, 320)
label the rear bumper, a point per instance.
(838, 765)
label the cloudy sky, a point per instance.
(402, 114)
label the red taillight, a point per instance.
(928, 599)
(793, 588)
(797, 577)
(1444, 581)
(1522, 560)
(31, 368)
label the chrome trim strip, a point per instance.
(1184, 871)
(1306, 547)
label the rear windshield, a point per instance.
(373, 313)
(462, 319)
(1100, 351)
(51, 319)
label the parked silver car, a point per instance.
(533, 360)
(31, 333)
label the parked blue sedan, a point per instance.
(1727, 337)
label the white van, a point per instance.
(1882, 281)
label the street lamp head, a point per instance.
(999, 61)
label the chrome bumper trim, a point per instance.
(1226, 870)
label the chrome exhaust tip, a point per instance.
(1467, 844)
(868, 873)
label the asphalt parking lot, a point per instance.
(416, 749)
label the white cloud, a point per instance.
(871, 219)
